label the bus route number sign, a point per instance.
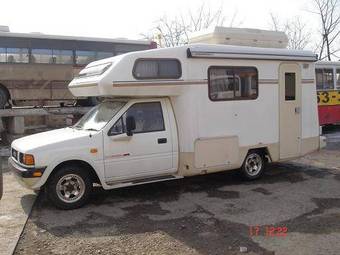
(330, 97)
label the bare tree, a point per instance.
(174, 31)
(329, 14)
(296, 30)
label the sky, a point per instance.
(131, 18)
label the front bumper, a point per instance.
(25, 175)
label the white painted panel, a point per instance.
(216, 151)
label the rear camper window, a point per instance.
(157, 69)
(232, 83)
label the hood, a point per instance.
(31, 142)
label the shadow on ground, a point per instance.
(204, 214)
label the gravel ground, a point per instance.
(202, 215)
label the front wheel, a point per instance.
(69, 188)
(253, 165)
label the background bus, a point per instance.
(35, 68)
(328, 91)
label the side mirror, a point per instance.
(130, 125)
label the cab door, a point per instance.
(148, 151)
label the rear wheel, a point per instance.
(70, 187)
(4, 97)
(253, 165)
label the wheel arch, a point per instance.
(8, 94)
(2, 86)
(263, 150)
(78, 162)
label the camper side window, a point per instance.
(157, 69)
(232, 83)
(148, 118)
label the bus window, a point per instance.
(102, 55)
(84, 57)
(42, 56)
(63, 56)
(2, 55)
(337, 78)
(319, 79)
(17, 55)
(324, 78)
(328, 79)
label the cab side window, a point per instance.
(148, 118)
(117, 128)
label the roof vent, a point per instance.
(241, 37)
(4, 28)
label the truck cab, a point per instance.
(120, 142)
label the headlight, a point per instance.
(94, 70)
(28, 159)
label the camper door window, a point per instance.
(232, 83)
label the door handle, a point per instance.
(297, 110)
(162, 140)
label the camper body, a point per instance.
(177, 112)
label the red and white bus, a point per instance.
(35, 68)
(328, 91)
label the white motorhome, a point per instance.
(176, 112)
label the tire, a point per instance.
(69, 188)
(4, 97)
(253, 165)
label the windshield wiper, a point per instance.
(91, 129)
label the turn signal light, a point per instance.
(28, 159)
(37, 173)
(93, 150)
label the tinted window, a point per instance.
(85, 57)
(17, 55)
(157, 69)
(63, 56)
(232, 83)
(2, 55)
(148, 117)
(290, 83)
(42, 56)
(324, 78)
(338, 78)
(102, 55)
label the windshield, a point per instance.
(99, 115)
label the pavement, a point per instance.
(293, 209)
(15, 207)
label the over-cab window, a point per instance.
(148, 117)
(157, 69)
(232, 83)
